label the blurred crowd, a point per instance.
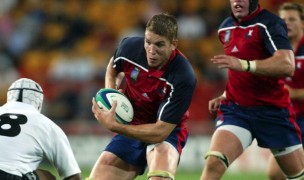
(65, 45)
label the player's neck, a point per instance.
(296, 40)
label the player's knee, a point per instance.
(299, 176)
(219, 160)
(160, 175)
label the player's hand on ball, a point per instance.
(105, 117)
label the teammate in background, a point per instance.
(293, 15)
(159, 83)
(255, 104)
(27, 137)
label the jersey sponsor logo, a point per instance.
(227, 35)
(235, 49)
(134, 74)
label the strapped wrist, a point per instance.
(248, 66)
(252, 66)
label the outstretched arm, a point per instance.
(281, 64)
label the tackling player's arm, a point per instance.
(150, 133)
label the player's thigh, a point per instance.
(230, 141)
(162, 156)
(291, 163)
(110, 161)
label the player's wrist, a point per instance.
(248, 66)
(252, 66)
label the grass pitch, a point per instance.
(195, 175)
(184, 175)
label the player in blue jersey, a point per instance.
(255, 105)
(293, 15)
(159, 83)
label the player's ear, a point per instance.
(174, 44)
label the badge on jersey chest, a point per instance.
(227, 35)
(134, 74)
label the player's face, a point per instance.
(240, 8)
(158, 49)
(294, 24)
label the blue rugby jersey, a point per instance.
(155, 94)
(256, 37)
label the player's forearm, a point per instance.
(150, 133)
(281, 64)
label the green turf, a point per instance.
(184, 175)
(195, 175)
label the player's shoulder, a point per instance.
(131, 42)
(228, 22)
(267, 14)
(42, 122)
(181, 66)
(180, 59)
(268, 18)
(130, 47)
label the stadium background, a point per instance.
(65, 46)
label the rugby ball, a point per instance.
(124, 110)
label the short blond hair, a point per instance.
(163, 24)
